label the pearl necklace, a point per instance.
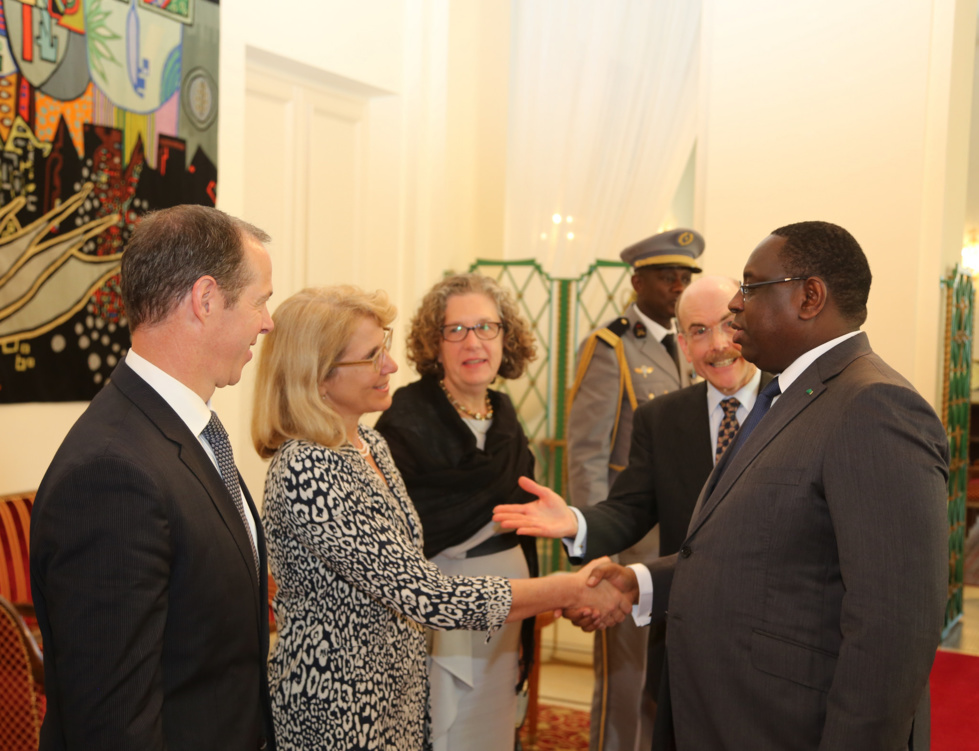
(364, 450)
(488, 414)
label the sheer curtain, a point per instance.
(602, 121)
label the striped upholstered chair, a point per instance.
(22, 700)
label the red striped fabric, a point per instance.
(15, 524)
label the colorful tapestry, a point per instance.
(108, 109)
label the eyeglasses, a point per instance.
(704, 333)
(486, 331)
(376, 360)
(745, 288)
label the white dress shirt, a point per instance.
(190, 408)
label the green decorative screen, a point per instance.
(955, 412)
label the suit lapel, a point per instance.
(193, 455)
(806, 389)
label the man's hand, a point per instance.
(548, 516)
(600, 603)
(603, 572)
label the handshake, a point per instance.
(606, 591)
(606, 598)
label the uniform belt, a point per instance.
(495, 544)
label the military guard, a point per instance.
(621, 365)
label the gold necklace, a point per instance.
(465, 410)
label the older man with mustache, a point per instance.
(676, 440)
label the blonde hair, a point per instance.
(312, 331)
(425, 337)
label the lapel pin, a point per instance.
(809, 392)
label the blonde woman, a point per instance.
(345, 543)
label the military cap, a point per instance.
(676, 247)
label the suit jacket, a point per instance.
(806, 602)
(593, 460)
(670, 459)
(154, 620)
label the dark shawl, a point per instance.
(453, 485)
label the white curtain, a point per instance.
(602, 121)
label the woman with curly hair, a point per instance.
(460, 449)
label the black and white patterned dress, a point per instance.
(349, 668)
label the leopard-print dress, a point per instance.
(349, 668)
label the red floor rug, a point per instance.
(558, 729)
(955, 702)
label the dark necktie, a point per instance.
(669, 343)
(217, 437)
(729, 426)
(764, 401)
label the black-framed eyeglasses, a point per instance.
(488, 330)
(746, 288)
(378, 357)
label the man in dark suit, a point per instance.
(676, 440)
(621, 366)
(147, 555)
(806, 602)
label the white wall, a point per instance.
(849, 111)
(405, 184)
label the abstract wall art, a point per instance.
(108, 109)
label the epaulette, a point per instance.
(618, 327)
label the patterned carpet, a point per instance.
(558, 729)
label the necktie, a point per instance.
(669, 343)
(729, 426)
(217, 437)
(764, 401)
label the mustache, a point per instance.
(731, 353)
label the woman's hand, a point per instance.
(590, 596)
(548, 516)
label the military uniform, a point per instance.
(621, 366)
